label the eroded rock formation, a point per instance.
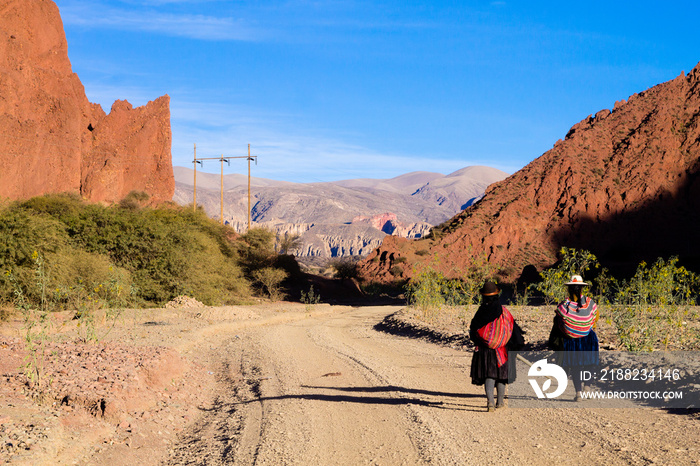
(53, 139)
(623, 184)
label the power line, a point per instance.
(222, 159)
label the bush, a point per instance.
(287, 243)
(345, 269)
(270, 279)
(157, 253)
(571, 262)
(310, 298)
(258, 249)
(661, 284)
(430, 289)
(134, 200)
(650, 327)
(425, 291)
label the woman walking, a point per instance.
(573, 332)
(494, 332)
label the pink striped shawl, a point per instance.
(577, 321)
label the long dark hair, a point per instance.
(576, 291)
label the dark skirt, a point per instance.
(485, 365)
(579, 352)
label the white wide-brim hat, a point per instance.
(576, 280)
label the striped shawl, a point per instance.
(577, 319)
(497, 333)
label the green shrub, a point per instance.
(650, 311)
(270, 279)
(571, 262)
(22, 236)
(649, 327)
(287, 243)
(425, 291)
(310, 298)
(661, 284)
(345, 269)
(429, 290)
(158, 253)
(258, 249)
(134, 200)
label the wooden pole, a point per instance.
(222, 189)
(194, 201)
(249, 213)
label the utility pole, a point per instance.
(223, 159)
(201, 162)
(222, 185)
(249, 212)
(195, 162)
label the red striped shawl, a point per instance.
(497, 333)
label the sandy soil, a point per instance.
(286, 383)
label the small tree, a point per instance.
(259, 251)
(288, 242)
(134, 200)
(573, 262)
(270, 278)
(344, 269)
(260, 239)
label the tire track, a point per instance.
(230, 429)
(424, 438)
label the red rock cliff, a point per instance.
(623, 184)
(53, 139)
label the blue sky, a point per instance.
(329, 90)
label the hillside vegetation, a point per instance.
(59, 250)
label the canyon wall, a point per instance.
(623, 184)
(53, 139)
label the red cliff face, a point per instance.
(623, 184)
(53, 138)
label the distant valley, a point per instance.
(341, 218)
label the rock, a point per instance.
(385, 222)
(55, 140)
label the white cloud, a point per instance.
(195, 26)
(285, 151)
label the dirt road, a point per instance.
(327, 388)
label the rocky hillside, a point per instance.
(349, 217)
(623, 184)
(53, 138)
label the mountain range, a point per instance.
(341, 218)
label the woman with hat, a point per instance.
(573, 331)
(494, 332)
